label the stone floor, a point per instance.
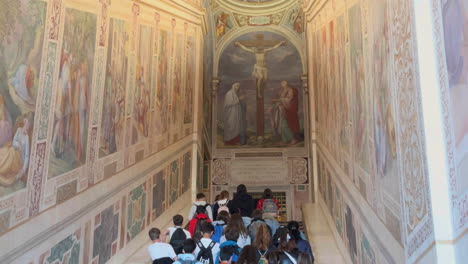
(319, 233)
(320, 236)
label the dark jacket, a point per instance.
(304, 247)
(242, 204)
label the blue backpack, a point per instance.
(218, 232)
(230, 248)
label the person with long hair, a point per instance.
(262, 242)
(296, 235)
(288, 250)
(223, 217)
(220, 224)
(248, 255)
(273, 257)
(242, 203)
(257, 221)
(238, 226)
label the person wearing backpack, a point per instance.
(256, 222)
(222, 204)
(268, 204)
(188, 256)
(160, 252)
(278, 234)
(195, 223)
(230, 245)
(219, 225)
(207, 249)
(201, 201)
(263, 245)
(177, 235)
(288, 248)
(295, 225)
(302, 245)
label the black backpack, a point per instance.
(201, 209)
(205, 255)
(165, 260)
(177, 240)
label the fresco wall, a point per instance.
(103, 234)
(372, 170)
(75, 113)
(450, 23)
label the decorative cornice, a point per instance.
(196, 12)
(257, 9)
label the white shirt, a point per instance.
(173, 229)
(193, 210)
(206, 243)
(161, 250)
(242, 241)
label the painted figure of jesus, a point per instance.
(260, 48)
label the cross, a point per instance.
(260, 47)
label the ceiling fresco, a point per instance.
(254, 1)
(258, 5)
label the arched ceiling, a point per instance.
(231, 18)
(256, 7)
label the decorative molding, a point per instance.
(38, 175)
(104, 21)
(243, 7)
(47, 92)
(298, 172)
(414, 175)
(221, 171)
(54, 26)
(458, 200)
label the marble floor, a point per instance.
(320, 236)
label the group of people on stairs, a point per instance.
(231, 231)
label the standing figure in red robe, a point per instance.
(286, 117)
